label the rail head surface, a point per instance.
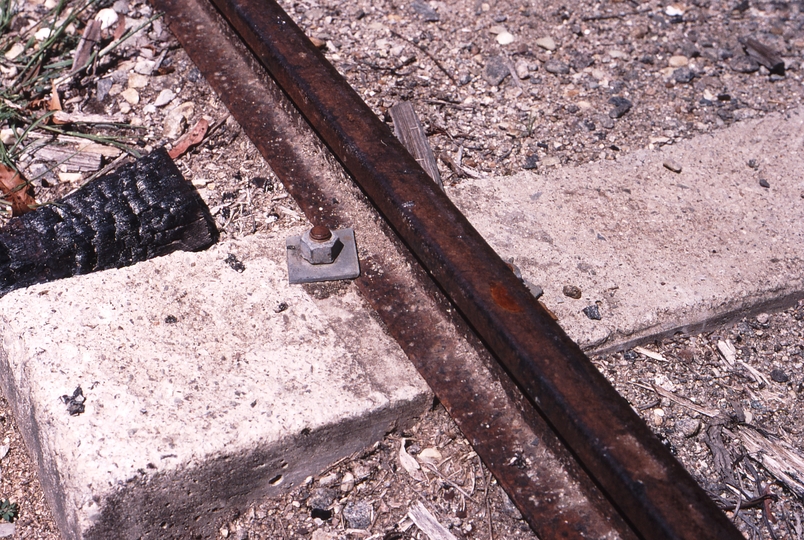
(639, 475)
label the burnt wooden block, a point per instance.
(143, 210)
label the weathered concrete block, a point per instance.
(205, 387)
(655, 250)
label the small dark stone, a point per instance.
(630, 356)
(572, 291)
(753, 163)
(744, 64)
(262, 183)
(425, 11)
(500, 18)
(647, 59)
(556, 67)
(496, 70)
(171, 319)
(282, 306)
(321, 499)
(779, 376)
(724, 97)
(683, 75)
(572, 108)
(621, 106)
(194, 75)
(593, 312)
(75, 403)
(357, 514)
(588, 124)
(581, 60)
(234, 263)
(531, 162)
(725, 114)
(764, 183)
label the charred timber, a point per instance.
(143, 210)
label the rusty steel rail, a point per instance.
(513, 440)
(648, 486)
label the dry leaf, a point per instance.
(120, 29)
(55, 102)
(191, 138)
(16, 190)
(408, 462)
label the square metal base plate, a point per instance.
(346, 266)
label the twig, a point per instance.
(486, 496)
(425, 51)
(604, 16)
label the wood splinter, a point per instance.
(143, 210)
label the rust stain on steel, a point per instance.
(555, 495)
(503, 299)
(657, 496)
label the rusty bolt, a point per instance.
(320, 246)
(320, 233)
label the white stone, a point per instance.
(164, 97)
(505, 38)
(547, 43)
(107, 17)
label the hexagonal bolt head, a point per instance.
(320, 251)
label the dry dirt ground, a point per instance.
(499, 86)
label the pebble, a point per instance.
(102, 88)
(779, 376)
(531, 162)
(347, 482)
(176, 119)
(505, 38)
(357, 514)
(764, 183)
(683, 75)
(546, 43)
(678, 61)
(321, 499)
(164, 97)
(522, 70)
(572, 291)
(7, 136)
(744, 64)
(496, 70)
(581, 60)
(144, 67)
(135, 80)
(425, 11)
(763, 318)
(671, 165)
(42, 34)
(14, 51)
(689, 427)
(621, 106)
(593, 312)
(131, 96)
(620, 55)
(556, 67)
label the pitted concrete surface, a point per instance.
(657, 251)
(205, 387)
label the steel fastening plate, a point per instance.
(345, 265)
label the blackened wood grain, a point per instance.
(143, 210)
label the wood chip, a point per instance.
(780, 459)
(728, 351)
(764, 55)
(410, 132)
(16, 191)
(650, 354)
(428, 524)
(190, 139)
(62, 117)
(684, 402)
(70, 158)
(89, 39)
